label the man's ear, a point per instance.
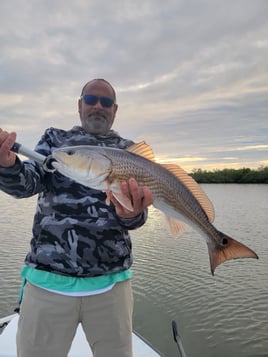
(79, 105)
(115, 108)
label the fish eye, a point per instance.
(69, 152)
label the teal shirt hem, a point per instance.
(69, 284)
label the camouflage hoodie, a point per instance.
(74, 232)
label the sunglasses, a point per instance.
(91, 99)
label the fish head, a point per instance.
(83, 164)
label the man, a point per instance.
(78, 268)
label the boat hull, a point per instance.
(80, 347)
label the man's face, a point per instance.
(97, 119)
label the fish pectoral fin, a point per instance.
(176, 227)
(142, 149)
(123, 200)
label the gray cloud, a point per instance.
(191, 76)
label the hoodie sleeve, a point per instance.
(135, 222)
(24, 179)
(27, 178)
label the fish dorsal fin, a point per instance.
(176, 227)
(193, 186)
(142, 149)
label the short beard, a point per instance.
(96, 123)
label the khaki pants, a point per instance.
(48, 322)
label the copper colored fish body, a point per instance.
(175, 193)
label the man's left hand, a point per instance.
(140, 196)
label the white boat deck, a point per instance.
(80, 347)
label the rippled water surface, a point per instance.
(224, 315)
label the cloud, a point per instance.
(191, 76)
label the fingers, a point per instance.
(7, 140)
(147, 197)
(141, 198)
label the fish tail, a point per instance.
(228, 249)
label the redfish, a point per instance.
(175, 193)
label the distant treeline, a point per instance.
(244, 175)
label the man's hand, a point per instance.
(141, 198)
(7, 140)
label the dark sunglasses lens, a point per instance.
(90, 99)
(106, 102)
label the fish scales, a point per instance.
(166, 188)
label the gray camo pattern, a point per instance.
(74, 232)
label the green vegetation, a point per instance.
(244, 175)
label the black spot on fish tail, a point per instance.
(227, 249)
(225, 241)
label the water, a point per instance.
(224, 315)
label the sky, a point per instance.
(191, 76)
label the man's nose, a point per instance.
(98, 105)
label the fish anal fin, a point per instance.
(195, 189)
(176, 227)
(230, 249)
(142, 149)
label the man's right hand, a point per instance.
(7, 140)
